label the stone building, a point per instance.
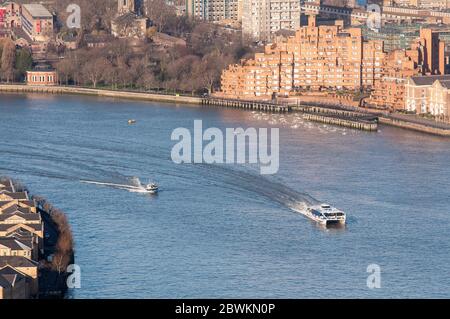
(37, 22)
(428, 95)
(129, 22)
(10, 13)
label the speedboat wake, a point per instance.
(136, 187)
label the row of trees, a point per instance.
(64, 247)
(196, 67)
(97, 15)
(14, 62)
(193, 68)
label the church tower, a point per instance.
(126, 6)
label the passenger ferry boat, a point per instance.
(325, 214)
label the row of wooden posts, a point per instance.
(249, 105)
(325, 115)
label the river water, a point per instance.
(225, 230)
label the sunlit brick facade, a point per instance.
(42, 77)
(317, 57)
(389, 92)
(426, 56)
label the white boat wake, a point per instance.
(137, 186)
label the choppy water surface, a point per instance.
(227, 231)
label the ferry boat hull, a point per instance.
(324, 214)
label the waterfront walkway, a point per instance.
(21, 88)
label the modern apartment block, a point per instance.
(261, 19)
(215, 10)
(37, 22)
(316, 58)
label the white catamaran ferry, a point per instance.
(324, 214)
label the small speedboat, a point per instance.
(152, 188)
(131, 122)
(137, 187)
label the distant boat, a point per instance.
(131, 122)
(152, 188)
(137, 187)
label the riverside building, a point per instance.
(21, 241)
(37, 22)
(428, 95)
(425, 57)
(316, 58)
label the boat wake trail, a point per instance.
(135, 185)
(262, 186)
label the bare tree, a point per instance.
(160, 13)
(8, 60)
(94, 70)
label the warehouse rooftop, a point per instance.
(37, 10)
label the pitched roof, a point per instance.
(6, 190)
(10, 227)
(13, 244)
(9, 276)
(37, 10)
(16, 209)
(19, 195)
(6, 184)
(21, 233)
(26, 217)
(429, 79)
(445, 83)
(22, 203)
(16, 262)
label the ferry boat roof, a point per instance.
(326, 209)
